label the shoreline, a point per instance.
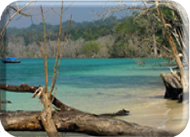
(162, 114)
(157, 112)
(178, 121)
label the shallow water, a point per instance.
(97, 86)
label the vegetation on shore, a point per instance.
(109, 38)
(136, 36)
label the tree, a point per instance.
(5, 23)
(174, 27)
(91, 48)
(131, 39)
(67, 118)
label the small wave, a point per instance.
(162, 124)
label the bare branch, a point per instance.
(45, 55)
(176, 36)
(42, 52)
(57, 54)
(65, 41)
(24, 88)
(17, 5)
(46, 114)
(167, 49)
(172, 44)
(11, 18)
(68, 6)
(55, 12)
(20, 12)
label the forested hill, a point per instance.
(107, 38)
(86, 30)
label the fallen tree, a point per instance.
(172, 85)
(59, 106)
(68, 119)
(72, 121)
(6, 102)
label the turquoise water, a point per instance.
(93, 85)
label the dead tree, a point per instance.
(6, 22)
(175, 31)
(17, 11)
(173, 86)
(68, 119)
(71, 121)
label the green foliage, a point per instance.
(91, 48)
(91, 33)
(168, 13)
(132, 36)
(86, 30)
(122, 45)
(129, 26)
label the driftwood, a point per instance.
(173, 86)
(72, 121)
(6, 102)
(69, 119)
(24, 88)
(122, 112)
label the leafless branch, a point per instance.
(11, 18)
(20, 12)
(65, 39)
(46, 114)
(17, 5)
(45, 47)
(42, 52)
(68, 6)
(57, 53)
(55, 12)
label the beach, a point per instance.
(102, 86)
(160, 113)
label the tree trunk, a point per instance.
(72, 121)
(172, 44)
(24, 88)
(173, 86)
(155, 46)
(0, 100)
(46, 116)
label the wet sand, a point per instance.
(177, 121)
(150, 110)
(160, 113)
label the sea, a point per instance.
(97, 86)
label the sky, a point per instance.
(81, 11)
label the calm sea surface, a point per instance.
(93, 85)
